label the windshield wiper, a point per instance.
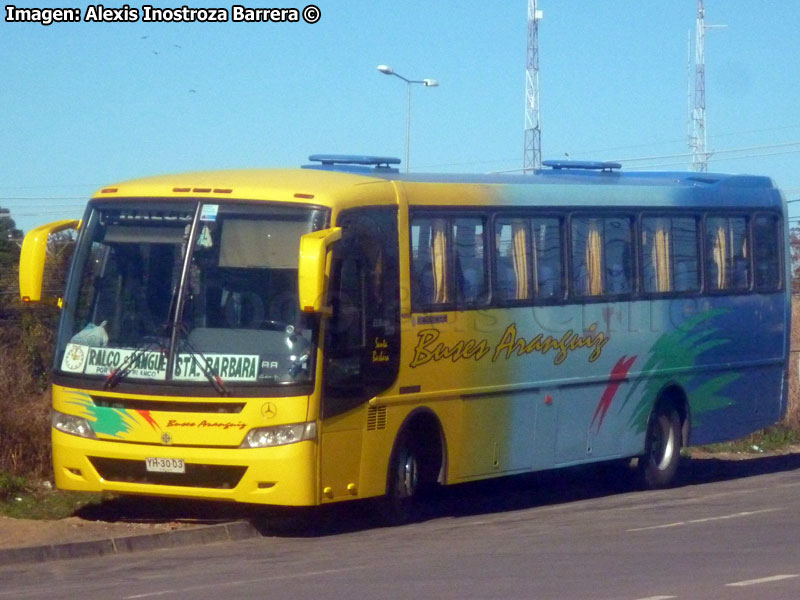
(122, 371)
(205, 365)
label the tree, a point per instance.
(10, 240)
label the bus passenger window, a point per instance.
(669, 255)
(429, 246)
(547, 258)
(766, 252)
(587, 257)
(656, 251)
(601, 256)
(618, 255)
(470, 266)
(685, 259)
(727, 255)
(512, 259)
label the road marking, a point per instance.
(706, 520)
(760, 581)
(658, 598)
(194, 588)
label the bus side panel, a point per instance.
(488, 444)
(728, 368)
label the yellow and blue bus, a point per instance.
(306, 336)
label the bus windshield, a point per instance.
(188, 292)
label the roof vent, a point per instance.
(350, 163)
(591, 165)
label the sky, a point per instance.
(87, 104)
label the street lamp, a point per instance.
(387, 70)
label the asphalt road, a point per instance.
(730, 531)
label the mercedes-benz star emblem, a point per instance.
(269, 410)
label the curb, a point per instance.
(207, 534)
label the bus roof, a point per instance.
(330, 181)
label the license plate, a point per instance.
(165, 465)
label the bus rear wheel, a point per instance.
(662, 451)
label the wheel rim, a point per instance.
(408, 476)
(662, 444)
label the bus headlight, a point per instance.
(73, 425)
(279, 435)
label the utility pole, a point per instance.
(532, 154)
(697, 136)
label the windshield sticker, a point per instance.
(229, 367)
(74, 358)
(209, 212)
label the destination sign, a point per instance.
(153, 365)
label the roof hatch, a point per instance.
(591, 165)
(350, 163)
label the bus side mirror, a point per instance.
(311, 270)
(33, 256)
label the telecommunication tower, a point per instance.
(697, 135)
(532, 154)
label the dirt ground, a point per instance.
(116, 518)
(18, 533)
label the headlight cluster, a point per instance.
(279, 435)
(73, 425)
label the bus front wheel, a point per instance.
(404, 483)
(662, 451)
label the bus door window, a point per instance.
(727, 253)
(766, 252)
(362, 339)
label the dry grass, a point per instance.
(25, 356)
(792, 419)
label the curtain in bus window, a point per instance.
(519, 236)
(729, 264)
(439, 261)
(594, 260)
(718, 254)
(587, 257)
(661, 255)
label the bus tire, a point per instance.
(662, 450)
(402, 493)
